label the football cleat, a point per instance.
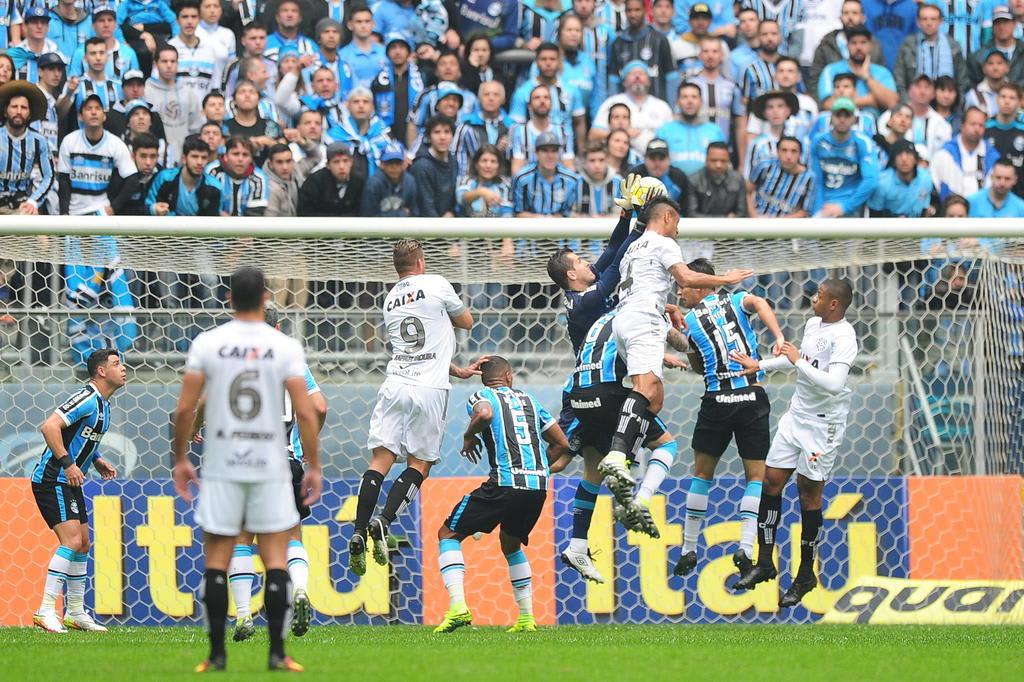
(454, 619)
(357, 554)
(301, 613)
(742, 562)
(49, 622)
(755, 576)
(82, 621)
(525, 623)
(379, 535)
(644, 522)
(687, 562)
(618, 479)
(244, 629)
(212, 664)
(796, 591)
(582, 564)
(284, 664)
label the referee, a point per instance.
(21, 149)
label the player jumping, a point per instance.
(733, 406)
(72, 434)
(809, 434)
(521, 439)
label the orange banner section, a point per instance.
(26, 545)
(965, 528)
(488, 591)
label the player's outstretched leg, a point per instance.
(663, 453)
(241, 575)
(629, 433)
(453, 573)
(369, 493)
(577, 556)
(215, 602)
(521, 577)
(749, 506)
(810, 527)
(298, 571)
(696, 510)
(56, 577)
(768, 515)
(403, 491)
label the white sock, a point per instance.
(522, 581)
(748, 516)
(453, 571)
(76, 584)
(298, 565)
(241, 574)
(696, 510)
(657, 469)
(56, 577)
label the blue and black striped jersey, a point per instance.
(86, 417)
(717, 326)
(598, 360)
(515, 448)
(291, 428)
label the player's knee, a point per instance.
(810, 495)
(78, 544)
(445, 533)
(509, 544)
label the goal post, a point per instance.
(934, 448)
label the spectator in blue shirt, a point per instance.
(844, 164)
(876, 87)
(998, 200)
(905, 189)
(391, 193)
(187, 189)
(497, 19)
(688, 136)
(364, 55)
(546, 188)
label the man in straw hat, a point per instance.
(22, 150)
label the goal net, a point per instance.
(927, 485)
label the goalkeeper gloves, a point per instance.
(626, 188)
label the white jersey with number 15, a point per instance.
(417, 315)
(645, 282)
(246, 365)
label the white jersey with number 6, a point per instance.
(246, 365)
(417, 315)
(646, 282)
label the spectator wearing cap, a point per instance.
(774, 108)
(983, 95)
(647, 112)
(211, 32)
(364, 55)
(845, 165)
(568, 110)
(928, 131)
(288, 18)
(998, 199)
(200, 63)
(22, 151)
(1004, 39)
(435, 170)
(244, 186)
(905, 188)
(834, 48)
(496, 19)
(546, 187)
(1005, 131)
(719, 95)
(138, 116)
(179, 108)
(397, 87)
(69, 26)
(930, 52)
(717, 190)
(845, 85)
(656, 164)
(523, 136)
(332, 191)
(962, 165)
(723, 21)
(758, 77)
(489, 125)
(121, 58)
(787, 76)
(700, 25)
(876, 88)
(391, 193)
(133, 87)
(36, 23)
(538, 21)
(448, 74)
(690, 134)
(640, 42)
(58, 100)
(187, 189)
(364, 132)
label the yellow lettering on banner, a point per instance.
(371, 593)
(163, 539)
(601, 540)
(711, 586)
(109, 555)
(654, 589)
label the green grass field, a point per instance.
(738, 653)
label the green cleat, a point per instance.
(525, 623)
(379, 535)
(244, 629)
(454, 619)
(301, 613)
(357, 554)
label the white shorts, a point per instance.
(409, 420)
(807, 445)
(640, 338)
(228, 507)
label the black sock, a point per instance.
(369, 493)
(403, 492)
(631, 423)
(277, 601)
(215, 599)
(810, 525)
(767, 521)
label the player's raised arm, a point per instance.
(309, 423)
(184, 416)
(687, 278)
(756, 304)
(463, 320)
(51, 430)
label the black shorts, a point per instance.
(60, 502)
(300, 494)
(485, 508)
(597, 410)
(741, 413)
(570, 425)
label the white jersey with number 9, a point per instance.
(645, 281)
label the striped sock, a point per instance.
(768, 513)
(657, 469)
(748, 516)
(453, 572)
(696, 510)
(522, 581)
(76, 583)
(298, 564)
(56, 577)
(582, 514)
(241, 574)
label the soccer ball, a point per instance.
(642, 190)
